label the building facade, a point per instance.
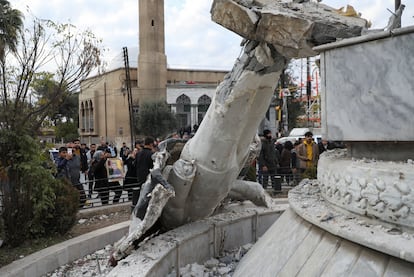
(103, 99)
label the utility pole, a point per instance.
(308, 88)
(397, 5)
(284, 94)
(128, 87)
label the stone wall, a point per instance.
(367, 88)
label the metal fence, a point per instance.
(283, 177)
(114, 193)
(117, 193)
(95, 197)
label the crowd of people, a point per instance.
(290, 161)
(94, 163)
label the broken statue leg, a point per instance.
(155, 193)
(158, 199)
(246, 190)
(221, 144)
(144, 198)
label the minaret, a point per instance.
(152, 61)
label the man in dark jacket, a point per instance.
(285, 163)
(123, 154)
(268, 159)
(74, 167)
(61, 164)
(143, 164)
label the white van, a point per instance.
(299, 133)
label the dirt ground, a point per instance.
(92, 219)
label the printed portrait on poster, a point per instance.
(115, 169)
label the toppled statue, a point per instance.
(210, 162)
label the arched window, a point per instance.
(91, 121)
(83, 117)
(203, 103)
(183, 103)
(183, 110)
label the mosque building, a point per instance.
(103, 99)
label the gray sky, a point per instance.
(192, 39)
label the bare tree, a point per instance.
(69, 54)
(28, 187)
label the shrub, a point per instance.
(34, 202)
(65, 208)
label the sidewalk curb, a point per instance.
(48, 259)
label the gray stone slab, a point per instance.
(302, 253)
(311, 251)
(369, 82)
(399, 268)
(275, 247)
(321, 256)
(370, 263)
(343, 259)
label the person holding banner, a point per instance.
(102, 184)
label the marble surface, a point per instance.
(368, 90)
(294, 247)
(308, 202)
(377, 189)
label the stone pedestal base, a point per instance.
(377, 189)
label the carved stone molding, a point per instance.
(305, 199)
(383, 190)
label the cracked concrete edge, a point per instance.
(306, 201)
(364, 38)
(176, 248)
(90, 212)
(48, 259)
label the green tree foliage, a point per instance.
(32, 197)
(11, 24)
(68, 131)
(43, 88)
(63, 113)
(155, 119)
(34, 203)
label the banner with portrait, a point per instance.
(115, 169)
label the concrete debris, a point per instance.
(211, 263)
(222, 266)
(88, 265)
(292, 28)
(327, 216)
(82, 220)
(94, 264)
